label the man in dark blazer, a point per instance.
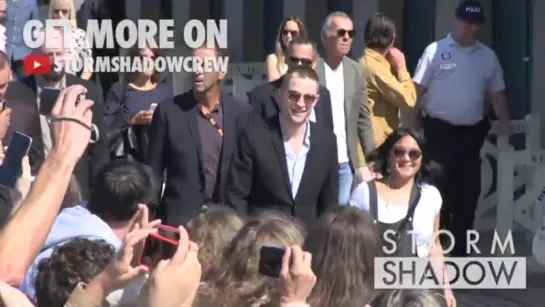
(22, 97)
(302, 51)
(192, 138)
(286, 162)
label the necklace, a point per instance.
(388, 195)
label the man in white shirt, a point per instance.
(454, 78)
(344, 79)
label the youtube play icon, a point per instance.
(37, 65)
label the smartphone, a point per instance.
(48, 98)
(11, 167)
(270, 261)
(152, 107)
(160, 246)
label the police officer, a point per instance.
(454, 78)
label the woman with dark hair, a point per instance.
(404, 203)
(343, 244)
(130, 103)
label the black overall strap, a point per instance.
(373, 200)
(413, 202)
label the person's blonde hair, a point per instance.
(279, 48)
(69, 5)
(239, 282)
(212, 230)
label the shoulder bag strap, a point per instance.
(413, 202)
(373, 200)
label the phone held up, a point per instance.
(270, 261)
(160, 246)
(11, 167)
(152, 107)
(48, 98)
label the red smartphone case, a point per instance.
(161, 238)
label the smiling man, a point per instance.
(287, 162)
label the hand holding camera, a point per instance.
(142, 118)
(182, 270)
(296, 277)
(71, 123)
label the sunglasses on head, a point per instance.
(300, 61)
(295, 97)
(344, 32)
(292, 32)
(413, 154)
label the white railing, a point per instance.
(488, 201)
(516, 170)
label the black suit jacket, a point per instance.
(264, 101)
(175, 146)
(25, 118)
(259, 178)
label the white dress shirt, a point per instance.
(335, 85)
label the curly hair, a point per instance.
(213, 229)
(79, 260)
(239, 282)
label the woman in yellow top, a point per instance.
(390, 89)
(276, 62)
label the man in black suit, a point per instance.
(23, 98)
(287, 162)
(301, 51)
(192, 138)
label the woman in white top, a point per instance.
(276, 62)
(79, 48)
(404, 200)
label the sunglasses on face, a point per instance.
(300, 61)
(344, 32)
(152, 57)
(61, 11)
(413, 154)
(295, 97)
(292, 32)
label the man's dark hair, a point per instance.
(303, 72)
(134, 53)
(4, 60)
(300, 40)
(220, 52)
(79, 260)
(120, 187)
(380, 32)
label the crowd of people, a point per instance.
(319, 163)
